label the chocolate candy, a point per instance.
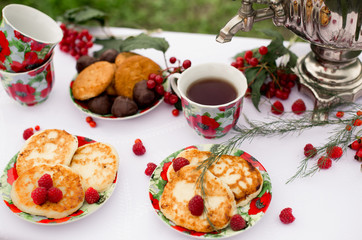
(123, 107)
(101, 104)
(109, 55)
(143, 96)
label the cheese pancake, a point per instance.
(97, 163)
(51, 146)
(64, 178)
(219, 203)
(244, 180)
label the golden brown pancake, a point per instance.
(64, 178)
(51, 146)
(219, 202)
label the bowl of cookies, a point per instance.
(114, 86)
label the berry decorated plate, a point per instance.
(10, 175)
(252, 212)
(82, 106)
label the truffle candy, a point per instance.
(123, 107)
(84, 61)
(101, 104)
(143, 96)
(109, 55)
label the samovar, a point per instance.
(331, 72)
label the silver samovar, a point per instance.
(331, 72)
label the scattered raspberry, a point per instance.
(286, 216)
(39, 195)
(335, 152)
(28, 133)
(355, 145)
(54, 194)
(91, 195)
(339, 114)
(45, 181)
(196, 205)
(237, 222)
(298, 107)
(179, 162)
(139, 149)
(277, 108)
(150, 168)
(324, 162)
(309, 150)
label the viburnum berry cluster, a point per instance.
(76, 43)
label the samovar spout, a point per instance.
(244, 20)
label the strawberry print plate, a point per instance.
(10, 175)
(252, 212)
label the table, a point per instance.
(326, 206)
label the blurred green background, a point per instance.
(197, 16)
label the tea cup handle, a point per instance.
(173, 83)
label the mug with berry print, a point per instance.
(27, 38)
(211, 95)
(31, 87)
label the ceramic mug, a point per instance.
(210, 121)
(31, 87)
(27, 38)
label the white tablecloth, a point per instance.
(326, 206)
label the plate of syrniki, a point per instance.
(235, 184)
(73, 163)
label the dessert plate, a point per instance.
(84, 108)
(10, 175)
(252, 212)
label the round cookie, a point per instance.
(93, 80)
(131, 71)
(123, 56)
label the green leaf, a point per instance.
(84, 14)
(206, 114)
(143, 41)
(178, 105)
(255, 80)
(109, 43)
(19, 46)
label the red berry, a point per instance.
(89, 119)
(286, 216)
(279, 93)
(139, 149)
(138, 140)
(248, 55)
(28, 133)
(158, 79)
(235, 64)
(54, 195)
(173, 99)
(253, 62)
(324, 162)
(359, 153)
(240, 60)
(45, 181)
(355, 145)
(151, 84)
(91, 195)
(357, 122)
(263, 50)
(180, 162)
(186, 64)
(175, 112)
(172, 59)
(93, 124)
(277, 108)
(39, 195)
(37, 128)
(292, 77)
(298, 107)
(237, 222)
(334, 152)
(152, 76)
(359, 113)
(309, 150)
(150, 168)
(160, 90)
(339, 114)
(196, 205)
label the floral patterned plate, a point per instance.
(10, 175)
(84, 108)
(252, 212)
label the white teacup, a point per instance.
(210, 121)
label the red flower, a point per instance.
(155, 202)
(83, 141)
(206, 125)
(22, 92)
(18, 67)
(4, 47)
(12, 207)
(260, 204)
(12, 175)
(164, 171)
(37, 46)
(45, 92)
(223, 109)
(20, 36)
(191, 232)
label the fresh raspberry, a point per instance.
(150, 168)
(355, 145)
(91, 195)
(179, 162)
(45, 181)
(286, 216)
(39, 195)
(298, 107)
(309, 150)
(277, 108)
(334, 152)
(28, 133)
(324, 162)
(196, 205)
(237, 222)
(54, 194)
(139, 149)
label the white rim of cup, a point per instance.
(2, 72)
(53, 30)
(241, 94)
